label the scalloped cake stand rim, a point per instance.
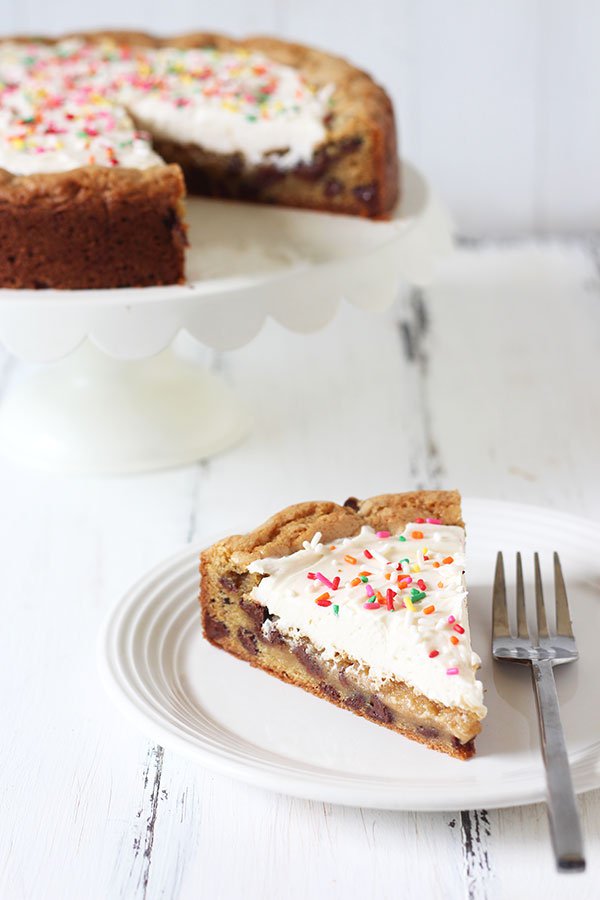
(97, 336)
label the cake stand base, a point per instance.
(94, 414)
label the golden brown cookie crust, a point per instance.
(92, 227)
(233, 621)
(285, 532)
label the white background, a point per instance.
(497, 100)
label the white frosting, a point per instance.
(77, 103)
(235, 125)
(385, 644)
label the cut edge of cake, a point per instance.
(234, 621)
(93, 228)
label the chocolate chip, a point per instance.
(427, 732)
(333, 187)
(315, 169)
(171, 219)
(330, 691)
(343, 678)
(273, 636)
(248, 641)
(230, 582)
(307, 660)
(246, 190)
(214, 629)
(377, 710)
(259, 614)
(324, 157)
(235, 164)
(352, 503)
(264, 177)
(348, 145)
(366, 193)
(355, 701)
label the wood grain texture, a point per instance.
(486, 380)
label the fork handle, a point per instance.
(562, 806)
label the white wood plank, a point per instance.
(70, 772)
(253, 845)
(522, 844)
(521, 340)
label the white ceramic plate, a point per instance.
(200, 702)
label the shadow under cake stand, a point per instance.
(118, 398)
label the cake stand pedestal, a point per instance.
(118, 398)
(93, 413)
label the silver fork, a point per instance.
(542, 652)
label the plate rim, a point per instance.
(293, 781)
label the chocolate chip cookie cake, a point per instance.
(364, 605)
(100, 134)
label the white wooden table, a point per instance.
(488, 381)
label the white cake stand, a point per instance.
(121, 399)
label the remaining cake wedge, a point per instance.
(92, 227)
(364, 605)
(98, 132)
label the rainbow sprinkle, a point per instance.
(325, 581)
(71, 99)
(420, 601)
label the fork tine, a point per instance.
(563, 616)
(499, 610)
(522, 629)
(540, 609)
